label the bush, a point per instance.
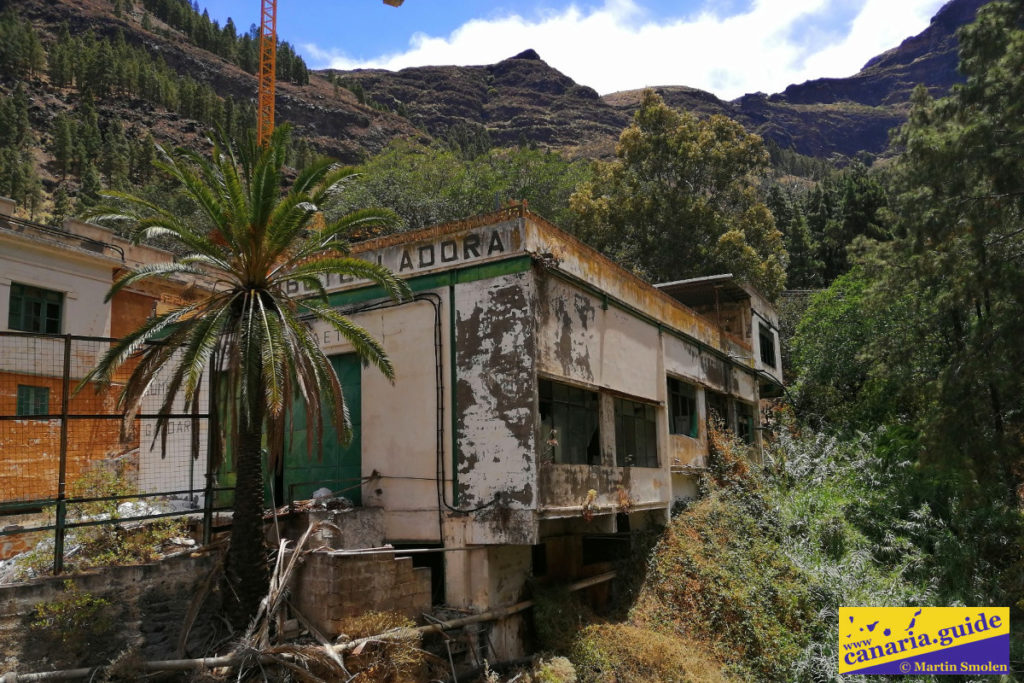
(720, 575)
(74, 628)
(622, 653)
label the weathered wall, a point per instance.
(348, 529)
(496, 392)
(580, 339)
(128, 310)
(508, 571)
(564, 488)
(329, 587)
(147, 608)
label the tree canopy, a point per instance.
(681, 200)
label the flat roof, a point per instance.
(706, 290)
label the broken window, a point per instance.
(745, 421)
(636, 434)
(718, 408)
(767, 339)
(569, 424)
(682, 401)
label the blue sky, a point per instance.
(729, 47)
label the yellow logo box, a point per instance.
(933, 640)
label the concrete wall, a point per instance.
(399, 442)
(83, 281)
(496, 397)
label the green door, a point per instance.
(339, 468)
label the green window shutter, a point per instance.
(32, 401)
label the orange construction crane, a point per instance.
(268, 69)
(268, 72)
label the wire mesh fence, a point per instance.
(69, 460)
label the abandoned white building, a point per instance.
(544, 398)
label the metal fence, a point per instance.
(65, 460)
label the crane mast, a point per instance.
(268, 72)
(268, 69)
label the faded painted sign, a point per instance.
(439, 252)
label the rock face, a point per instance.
(841, 115)
(520, 98)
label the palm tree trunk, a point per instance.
(247, 557)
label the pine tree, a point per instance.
(61, 204)
(63, 146)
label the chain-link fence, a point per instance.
(69, 460)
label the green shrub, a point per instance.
(73, 628)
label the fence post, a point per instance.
(58, 541)
(212, 449)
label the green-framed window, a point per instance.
(636, 434)
(682, 402)
(34, 309)
(570, 430)
(32, 400)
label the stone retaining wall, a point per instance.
(145, 608)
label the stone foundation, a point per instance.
(329, 587)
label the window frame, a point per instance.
(32, 401)
(649, 432)
(766, 341)
(679, 392)
(581, 408)
(21, 318)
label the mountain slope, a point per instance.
(520, 98)
(353, 115)
(840, 115)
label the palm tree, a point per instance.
(251, 239)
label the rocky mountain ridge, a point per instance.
(354, 114)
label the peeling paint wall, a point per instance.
(496, 391)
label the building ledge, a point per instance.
(597, 510)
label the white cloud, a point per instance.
(614, 47)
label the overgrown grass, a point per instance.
(625, 653)
(108, 543)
